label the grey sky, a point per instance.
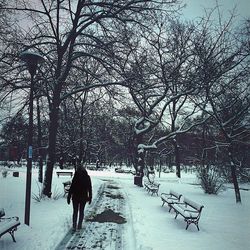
(195, 8)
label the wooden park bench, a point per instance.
(67, 173)
(170, 198)
(66, 186)
(152, 187)
(8, 225)
(189, 210)
(125, 171)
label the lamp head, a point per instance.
(32, 59)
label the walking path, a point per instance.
(104, 223)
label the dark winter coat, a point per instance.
(81, 187)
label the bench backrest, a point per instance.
(2, 213)
(193, 204)
(175, 194)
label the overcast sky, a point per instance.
(195, 8)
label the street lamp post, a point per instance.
(32, 59)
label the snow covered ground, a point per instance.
(223, 224)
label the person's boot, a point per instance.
(74, 228)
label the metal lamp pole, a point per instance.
(32, 60)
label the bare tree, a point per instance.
(68, 33)
(160, 73)
(223, 68)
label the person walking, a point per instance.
(80, 192)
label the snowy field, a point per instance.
(223, 224)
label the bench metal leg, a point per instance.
(11, 232)
(188, 223)
(176, 215)
(194, 222)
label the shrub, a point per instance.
(4, 173)
(57, 194)
(210, 179)
(40, 196)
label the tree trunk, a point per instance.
(234, 178)
(139, 161)
(39, 143)
(81, 149)
(53, 127)
(160, 165)
(177, 159)
(139, 158)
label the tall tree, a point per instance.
(161, 78)
(14, 137)
(68, 33)
(223, 63)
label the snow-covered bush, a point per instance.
(39, 196)
(210, 179)
(4, 173)
(57, 194)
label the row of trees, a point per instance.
(165, 77)
(107, 136)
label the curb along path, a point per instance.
(103, 224)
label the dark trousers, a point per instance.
(78, 206)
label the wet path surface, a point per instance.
(103, 224)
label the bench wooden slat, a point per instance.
(8, 225)
(64, 173)
(192, 204)
(189, 210)
(152, 187)
(170, 198)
